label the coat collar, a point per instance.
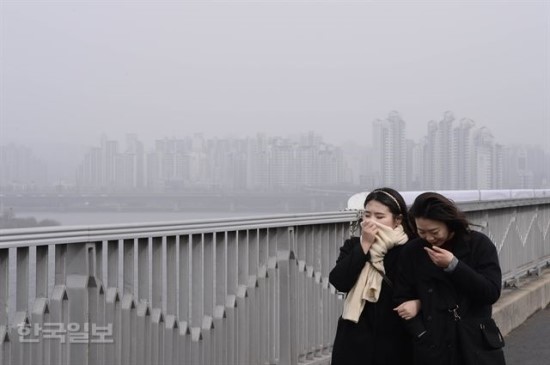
(460, 246)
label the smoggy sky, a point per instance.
(71, 70)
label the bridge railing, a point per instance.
(231, 291)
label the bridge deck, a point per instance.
(528, 344)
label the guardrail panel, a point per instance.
(219, 288)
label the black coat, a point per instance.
(474, 286)
(379, 337)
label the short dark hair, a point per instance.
(397, 206)
(434, 206)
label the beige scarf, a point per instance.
(369, 283)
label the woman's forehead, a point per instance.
(375, 206)
(428, 224)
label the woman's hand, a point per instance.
(439, 256)
(368, 234)
(409, 309)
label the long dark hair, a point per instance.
(434, 206)
(397, 206)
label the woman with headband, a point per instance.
(369, 330)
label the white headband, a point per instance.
(391, 196)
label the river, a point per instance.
(93, 218)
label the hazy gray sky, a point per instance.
(73, 69)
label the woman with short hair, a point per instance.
(455, 273)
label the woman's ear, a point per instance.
(398, 220)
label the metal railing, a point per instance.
(231, 291)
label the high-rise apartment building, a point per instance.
(462, 155)
(20, 169)
(105, 167)
(452, 157)
(109, 150)
(443, 161)
(417, 168)
(390, 150)
(257, 163)
(282, 164)
(525, 167)
(134, 163)
(484, 158)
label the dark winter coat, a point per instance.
(379, 337)
(474, 286)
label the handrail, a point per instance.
(73, 234)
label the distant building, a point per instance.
(390, 150)
(20, 169)
(461, 173)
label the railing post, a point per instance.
(80, 283)
(242, 324)
(21, 325)
(157, 331)
(288, 353)
(99, 322)
(4, 286)
(220, 314)
(231, 323)
(157, 326)
(59, 317)
(4, 295)
(184, 340)
(272, 333)
(220, 336)
(303, 310)
(112, 351)
(128, 324)
(263, 322)
(143, 332)
(171, 320)
(112, 264)
(39, 316)
(40, 309)
(171, 339)
(5, 348)
(128, 307)
(253, 320)
(143, 270)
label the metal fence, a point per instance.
(231, 291)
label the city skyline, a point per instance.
(420, 132)
(454, 154)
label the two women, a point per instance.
(442, 285)
(369, 331)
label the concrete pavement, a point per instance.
(517, 304)
(523, 316)
(529, 344)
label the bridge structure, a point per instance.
(306, 200)
(228, 291)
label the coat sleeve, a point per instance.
(405, 288)
(481, 281)
(349, 264)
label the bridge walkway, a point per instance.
(529, 344)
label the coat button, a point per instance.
(429, 318)
(430, 290)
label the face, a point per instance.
(378, 212)
(435, 232)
